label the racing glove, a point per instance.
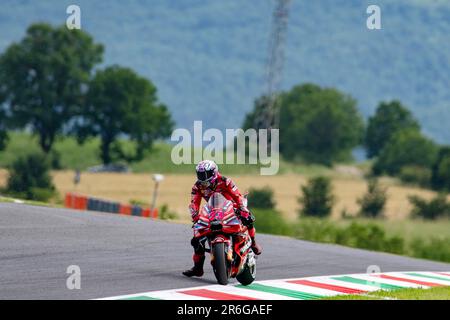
(246, 217)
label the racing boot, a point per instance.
(257, 249)
(197, 270)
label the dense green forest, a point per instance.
(207, 57)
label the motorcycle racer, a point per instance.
(209, 180)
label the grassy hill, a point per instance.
(158, 159)
(207, 57)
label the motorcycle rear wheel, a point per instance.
(248, 275)
(220, 263)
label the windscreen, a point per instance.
(217, 200)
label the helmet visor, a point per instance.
(205, 175)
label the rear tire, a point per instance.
(220, 263)
(248, 275)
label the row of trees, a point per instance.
(317, 200)
(48, 86)
(323, 125)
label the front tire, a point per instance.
(220, 263)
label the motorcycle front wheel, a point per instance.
(220, 263)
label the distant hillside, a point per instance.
(207, 57)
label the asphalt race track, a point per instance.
(121, 255)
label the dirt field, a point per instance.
(175, 190)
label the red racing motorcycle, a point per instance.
(229, 243)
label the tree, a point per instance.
(3, 132)
(258, 107)
(389, 118)
(440, 177)
(317, 198)
(416, 175)
(261, 198)
(29, 178)
(122, 104)
(44, 78)
(405, 148)
(373, 202)
(432, 209)
(321, 124)
(316, 124)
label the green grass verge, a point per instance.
(408, 229)
(413, 239)
(436, 293)
(30, 202)
(427, 239)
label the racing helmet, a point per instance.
(207, 171)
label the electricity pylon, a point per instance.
(268, 117)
